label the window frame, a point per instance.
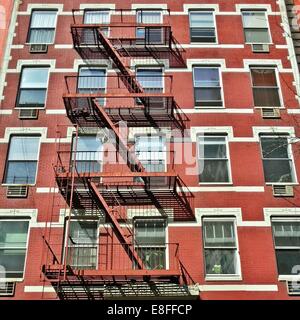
(17, 106)
(37, 161)
(166, 245)
(276, 72)
(24, 218)
(209, 66)
(30, 21)
(222, 277)
(283, 219)
(267, 27)
(215, 26)
(290, 153)
(217, 135)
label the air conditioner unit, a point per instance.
(38, 48)
(281, 190)
(293, 288)
(270, 113)
(260, 48)
(7, 289)
(20, 191)
(28, 113)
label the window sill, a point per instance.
(289, 277)
(13, 279)
(224, 278)
(48, 44)
(268, 43)
(215, 184)
(209, 107)
(270, 184)
(17, 184)
(279, 107)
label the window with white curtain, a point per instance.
(91, 80)
(220, 247)
(151, 151)
(151, 79)
(286, 235)
(255, 26)
(13, 245)
(202, 26)
(42, 26)
(213, 159)
(95, 17)
(89, 153)
(150, 242)
(33, 87)
(83, 244)
(22, 160)
(148, 34)
(277, 159)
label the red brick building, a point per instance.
(150, 150)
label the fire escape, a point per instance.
(123, 189)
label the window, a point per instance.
(21, 165)
(89, 154)
(207, 87)
(91, 80)
(213, 159)
(150, 79)
(13, 244)
(42, 27)
(286, 235)
(220, 248)
(202, 26)
(83, 246)
(277, 159)
(33, 87)
(151, 151)
(95, 17)
(265, 87)
(150, 242)
(255, 27)
(149, 34)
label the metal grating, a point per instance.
(293, 287)
(283, 191)
(17, 191)
(7, 289)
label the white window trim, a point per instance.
(291, 158)
(42, 6)
(257, 7)
(221, 85)
(228, 162)
(222, 277)
(189, 7)
(21, 218)
(33, 63)
(37, 161)
(277, 81)
(97, 6)
(55, 25)
(47, 85)
(137, 6)
(215, 26)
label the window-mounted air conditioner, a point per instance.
(270, 113)
(260, 48)
(281, 190)
(293, 288)
(7, 289)
(28, 113)
(19, 191)
(38, 48)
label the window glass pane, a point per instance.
(96, 17)
(153, 258)
(83, 231)
(149, 232)
(34, 77)
(32, 97)
(220, 261)
(201, 19)
(13, 261)
(150, 78)
(43, 19)
(21, 172)
(278, 171)
(286, 233)
(23, 148)
(214, 147)
(287, 260)
(203, 35)
(266, 97)
(91, 80)
(41, 36)
(13, 234)
(263, 77)
(254, 19)
(257, 35)
(274, 147)
(89, 148)
(148, 17)
(214, 171)
(219, 234)
(206, 77)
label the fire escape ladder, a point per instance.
(129, 249)
(127, 154)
